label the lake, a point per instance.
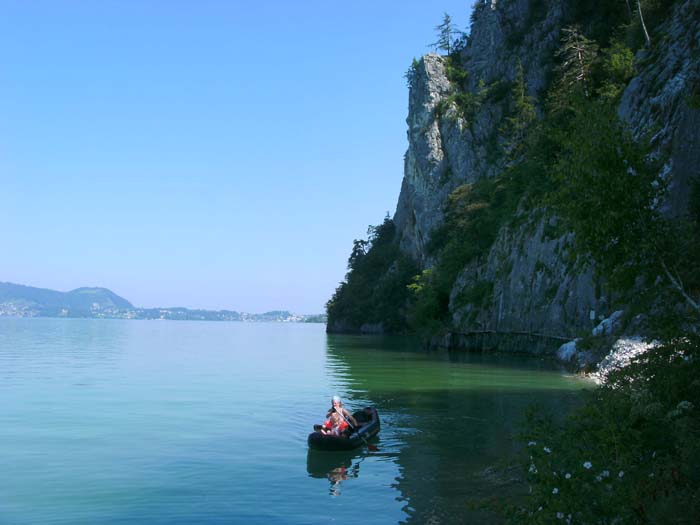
(115, 421)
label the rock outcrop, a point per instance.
(664, 100)
(529, 291)
(532, 285)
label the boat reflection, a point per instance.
(337, 467)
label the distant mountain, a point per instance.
(27, 301)
(17, 299)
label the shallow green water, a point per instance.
(152, 422)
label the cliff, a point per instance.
(527, 288)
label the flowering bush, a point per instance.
(630, 454)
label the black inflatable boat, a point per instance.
(368, 421)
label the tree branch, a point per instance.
(678, 285)
(644, 27)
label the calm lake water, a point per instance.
(109, 421)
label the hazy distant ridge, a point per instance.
(78, 302)
(27, 301)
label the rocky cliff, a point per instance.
(535, 286)
(532, 286)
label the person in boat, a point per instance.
(338, 419)
(335, 425)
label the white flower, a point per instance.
(548, 450)
(605, 473)
(539, 508)
(567, 475)
(532, 469)
(587, 465)
(560, 515)
(555, 491)
(531, 443)
(622, 473)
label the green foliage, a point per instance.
(617, 68)
(608, 189)
(428, 303)
(581, 161)
(522, 113)
(447, 35)
(607, 192)
(577, 160)
(474, 214)
(455, 72)
(496, 91)
(466, 103)
(577, 55)
(618, 62)
(630, 454)
(411, 73)
(374, 289)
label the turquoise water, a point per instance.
(110, 421)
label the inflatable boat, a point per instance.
(368, 426)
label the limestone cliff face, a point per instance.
(533, 284)
(419, 209)
(664, 99)
(445, 150)
(535, 288)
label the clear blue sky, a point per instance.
(213, 154)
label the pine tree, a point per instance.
(577, 55)
(446, 35)
(522, 111)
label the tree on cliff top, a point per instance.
(447, 35)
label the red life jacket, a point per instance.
(328, 425)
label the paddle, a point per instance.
(370, 447)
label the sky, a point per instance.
(208, 154)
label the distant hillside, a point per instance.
(17, 299)
(27, 301)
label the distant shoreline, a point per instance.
(310, 319)
(17, 300)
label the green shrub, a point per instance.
(374, 289)
(629, 454)
(474, 214)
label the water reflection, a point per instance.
(448, 420)
(338, 467)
